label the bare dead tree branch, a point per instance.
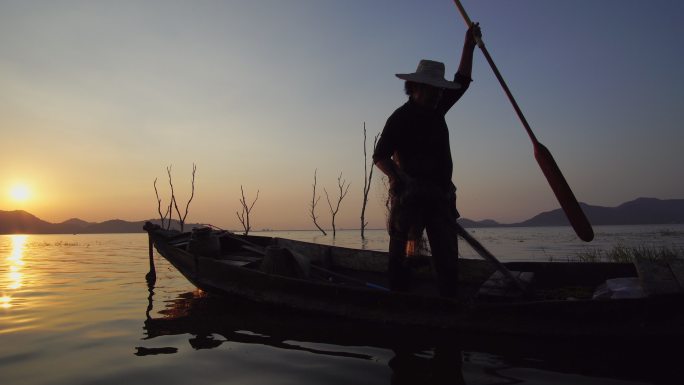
(343, 192)
(181, 218)
(246, 209)
(162, 217)
(366, 180)
(173, 202)
(314, 202)
(173, 196)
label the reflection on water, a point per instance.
(6, 301)
(196, 321)
(14, 263)
(209, 322)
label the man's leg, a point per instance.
(443, 237)
(399, 273)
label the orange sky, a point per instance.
(96, 99)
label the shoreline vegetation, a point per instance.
(628, 254)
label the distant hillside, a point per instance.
(21, 222)
(76, 223)
(465, 222)
(641, 211)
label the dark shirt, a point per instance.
(417, 139)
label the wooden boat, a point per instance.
(348, 284)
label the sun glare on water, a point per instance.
(20, 193)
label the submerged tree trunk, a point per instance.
(246, 210)
(181, 218)
(173, 202)
(343, 192)
(367, 178)
(314, 202)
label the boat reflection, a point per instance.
(211, 321)
(420, 356)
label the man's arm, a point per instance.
(465, 69)
(389, 168)
(385, 149)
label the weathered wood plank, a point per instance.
(238, 257)
(656, 277)
(499, 285)
(526, 276)
(234, 262)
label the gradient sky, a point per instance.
(98, 97)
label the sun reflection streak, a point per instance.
(15, 262)
(5, 302)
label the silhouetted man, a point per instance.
(413, 151)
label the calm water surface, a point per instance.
(522, 243)
(76, 309)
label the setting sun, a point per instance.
(20, 193)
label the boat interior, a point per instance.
(478, 279)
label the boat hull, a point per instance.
(649, 321)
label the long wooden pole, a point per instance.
(489, 257)
(551, 171)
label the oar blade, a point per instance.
(563, 193)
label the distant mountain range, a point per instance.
(641, 211)
(21, 222)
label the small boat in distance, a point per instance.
(564, 301)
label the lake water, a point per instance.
(76, 309)
(521, 243)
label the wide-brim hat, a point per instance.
(430, 72)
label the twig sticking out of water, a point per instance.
(314, 202)
(246, 209)
(343, 192)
